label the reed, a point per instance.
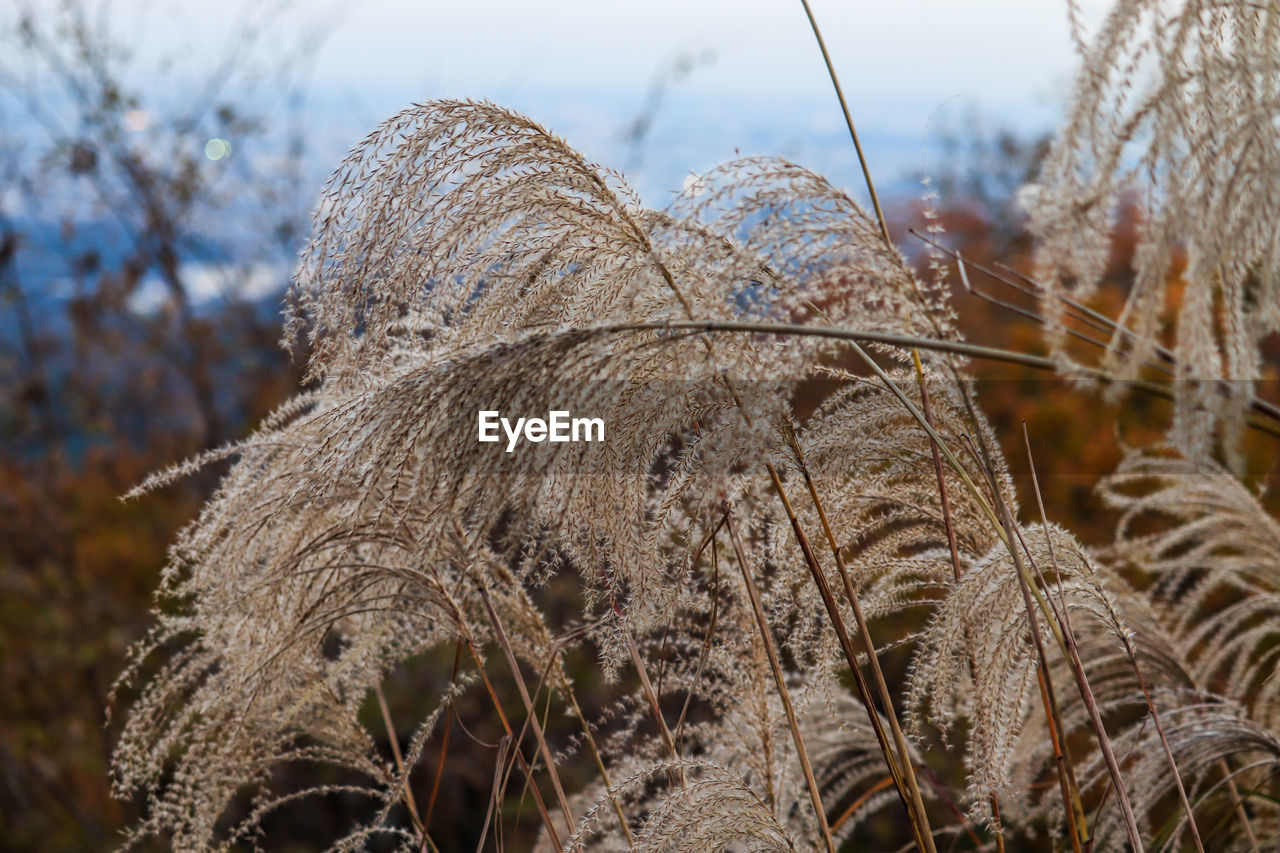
(466, 259)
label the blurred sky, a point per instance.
(998, 50)
(911, 69)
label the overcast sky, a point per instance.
(906, 67)
(909, 67)
(1001, 50)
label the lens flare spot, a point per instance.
(217, 149)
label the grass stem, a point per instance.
(784, 695)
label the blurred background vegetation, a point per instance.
(144, 248)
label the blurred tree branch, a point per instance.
(110, 147)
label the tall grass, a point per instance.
(743, 561)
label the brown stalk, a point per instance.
(1129, 652)
(1089, 317)
(1236, 797)
(927, 410)
(444, 743)
(507, 768)
(705, 652)
(813, 790)
(1073, 804)
(595, 754)
(496, 788)
(762, 623)
(884, 230)
(1101, 322)
(524, 764)
(895, 762)
(444, 753)
(668, 742)
(944, 797)
(530, 712)
(406, 795)
(1065, 641)
(860, 802)
(920, 825)
(1037, 362)
(902, 768)
(946, 346)
(532, 718)
(1107, 789)
(566, 688)
(924, 838)
(1037, 317)
(954, 550)
(848, 119)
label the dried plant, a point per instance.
(1214, 558)
(743, 562)
(1174, 104)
